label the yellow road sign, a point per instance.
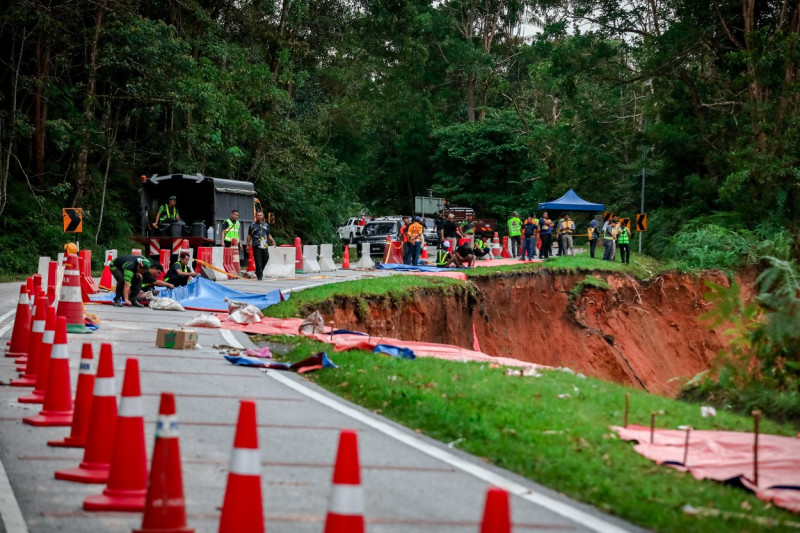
(73, 219)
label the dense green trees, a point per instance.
(327, 106)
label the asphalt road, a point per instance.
(411, 483)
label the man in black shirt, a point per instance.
(258, 235)
(180, 272)
(464, 256)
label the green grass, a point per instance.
(396, 286)
(520, 423)
(641, 266)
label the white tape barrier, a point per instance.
(217, 258)
(310, 258)
(44, 269)
(326, 263)
(281, 262)
(365, 261)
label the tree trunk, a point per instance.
(88, 113)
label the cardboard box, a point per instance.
(177, 339)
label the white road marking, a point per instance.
(10, 513)
(561, 508)
(3, 317)
(230, 339)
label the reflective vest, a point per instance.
(624, 236)
(178, 266)
(232, 232)
(567, 227)
(167, 215)
(480, 245)
(610, 233)
(592, 234)
(514, 227)
(443, 258)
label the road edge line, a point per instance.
(10, 513)
(558, 507)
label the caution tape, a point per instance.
(212, 267)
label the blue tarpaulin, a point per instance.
(409, 268)
(571, 202)
(205, 295)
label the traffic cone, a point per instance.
(298, 256)
(346, 507)
(57, 408)
(18, 347)
(165, 507)
(102, 426)
(22, 361)
(52, 282)
(83, 402)
(251, 262)
(424, 254)
(127, 476)
(42, 364)
(34, 346)
(70, 303)
(496, 515)
(244, 513)
(346, 258)
(505, 253)
(387, 250)
(106, 280)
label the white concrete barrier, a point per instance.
(218, 261)
(365, 261)
(310, 264)
(326, 263)
(281, 262)
(44, 270)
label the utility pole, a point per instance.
(644, 164)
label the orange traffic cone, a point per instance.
(34, 346)
(298, 256)
(106, 280)
(244, 513)
(42, 360)
(496, 515)
(346, 507)
(22, 362)
(83, 403)
(505, 253)
(346, 258)
(70, 303)
(251, 262)
(165, 507)
(102, 426)
(57, 408)
(127, 476)
(424, 254)
(18, 347)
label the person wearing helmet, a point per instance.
(71, 248)
(128, 271)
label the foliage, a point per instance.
(761, 366)
(528, 425)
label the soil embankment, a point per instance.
(644, 334)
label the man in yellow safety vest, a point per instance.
(230, 229)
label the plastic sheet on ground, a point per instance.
(205, 295)
(315, 362)
(360, 341)
(726, 456)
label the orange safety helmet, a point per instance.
(71, 248)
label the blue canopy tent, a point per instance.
(571, 202)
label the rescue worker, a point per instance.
(404, 237)
(529, 243)
(416, 240)
(560, 229)
(230, 229)
(128, 271)
(180, 272)
(593, 237)
(444, 258)
(624, 243)
(464, 256)
(546, 233)
(568, 231)
(167, 213)
(514, 232)
(609, 236)
(482, 249)
(258, 237)
(150, 282)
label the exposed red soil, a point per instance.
(643, 334)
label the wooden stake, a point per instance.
(652, 426)
(627, 407)
(686, 446)
(756, 421)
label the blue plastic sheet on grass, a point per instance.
(315, 361)
(410, 268)
(394, 351)
(205, 295)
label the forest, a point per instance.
(331, 106)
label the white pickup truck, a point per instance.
(350, 230)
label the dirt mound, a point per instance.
(643, 334)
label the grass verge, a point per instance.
(521, 424)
